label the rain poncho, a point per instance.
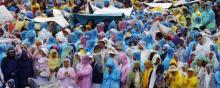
(53, 62)
(207, 80)
(208, 18)
(67, 80)
(168, 58)
(111, 80)
(84, 73)
(177, 82)
(125, 69)
(9, 66)
(24, 71)
(147, 74)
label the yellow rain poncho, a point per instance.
(53, 63)
(191, 82)
(179, 15)
(147, 74)
(175, 80)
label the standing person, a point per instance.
(175, 78)
(111, 75)
(207, 79)
(192, 80)
(53, 63)
(24, 71)
(160, 80)
(134, 79)
(125, 69)
(9, 65)
(97, 65)
(84, 73)
(147, 74)
(67, 75)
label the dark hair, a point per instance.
(159, 35)
(160, 69)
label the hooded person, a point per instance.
(111, 75)
(53, 63)
(134, 79)
(67, 75)
(196, 16)
(84, 73)
(24, 71)
(147, 74)
(178, 14)
(213, 60)
(124, 68)
(191, 81)
(42, 63)
(208, 16)
(175, 78)
(199, 68)
(207, 79)
(156, 61)
(98, 68)
(168, 58)
(9, 65)
(217, 77)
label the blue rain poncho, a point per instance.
(111, 80)
(168, 58)
(217, 77)
(208, 18)
(90, 45)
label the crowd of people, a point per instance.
(154, 47)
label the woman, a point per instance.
(125, 69)
(147, 74)
(134, 78)
(67, 75)
(207, 79)
(84, 73)
(192, 80)
(53, 63)
(111, 75)
(24, 71)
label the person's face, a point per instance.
(110, 69)
(147, 65)
(208, 70)
(192, 56)
(136, 66)
(199, 62)
(190, 73)
(12, 53)
(200, 40)
(158, 61)
(210, 55)
(1, 34)
(113, 36)
(140, 47)
(54, 54)
(184, 69)
(66, 64)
